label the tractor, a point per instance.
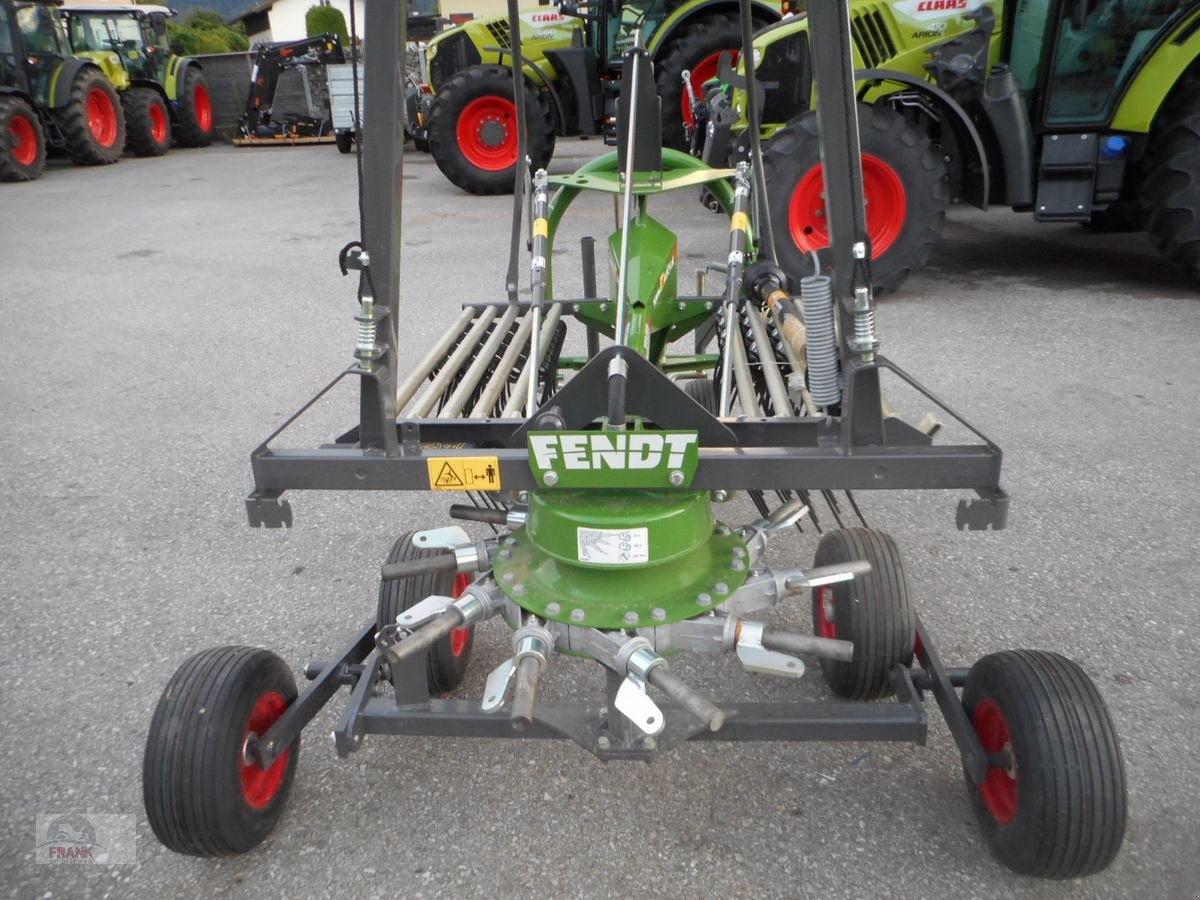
(571, 75)
(49, 98)
(163, 94)
(1073, 110)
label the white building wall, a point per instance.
(287, 17)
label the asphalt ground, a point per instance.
(158, 318)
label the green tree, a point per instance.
(204, 31)
(322, 19)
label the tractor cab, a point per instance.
(121, 40)
(44, 48)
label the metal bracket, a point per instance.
(990, 510)
(267, 509)
(420, 613)
(754, 657)
(496, 687)
(448, 538)
(637, 706)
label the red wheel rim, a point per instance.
(999, 789)
(487, 133)
(459, 637)
(826, 626)
(259, 786)
(158, 123)
(887, 207)
(102, 117)
(703, 71)
(203, 107)
(22, 141)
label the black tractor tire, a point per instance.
(344, 140)
(1170, 193)
(485, 162)
(447, 660)
(703, 392)
(873, 611)
(195, 124)
(696, 43)
(202, 797)
(147, 122)
(22, 141)
(904, 179)
(1058, 808)
(92, 122)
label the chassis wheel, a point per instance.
(22, 143)
(344, 141)
(702, 391)
(93, 123)
(1057, 809)
(473, 130)
(1171, 192)
(147, 122)
(698, 50)
(202, 797)
(446, 663)
(194, 125)
(904, 180)
(873, 611)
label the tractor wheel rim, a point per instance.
(487, 133)
(459, 637)
(158, 124)
(999, 788)
(260, 786)
(23, 141)
(203, 107)
(887, 207)
(703, 71)
(102, 117)
(826, 624)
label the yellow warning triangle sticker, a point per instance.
(448, 477)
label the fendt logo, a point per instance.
(592, 458)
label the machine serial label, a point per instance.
(464, 473)
(614, 459)
(614, 546)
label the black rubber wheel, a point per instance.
(93, 122)
(22, 142)
(194, 121)
(904, 179)
(147, 122)
(696, 48)
(201, 796)
(703, 392)
(421, 144)
(1170, 194)
(344, 141)
(446, 663)
(1058, 809)
(472, 130)
(872, 611)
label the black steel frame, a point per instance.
(861, 449)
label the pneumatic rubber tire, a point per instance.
(93, 122)
(1059, 809)
(22, 142)
(873, 611)
(447, 660)
(904, 179)
(201, 797)
(1170, 193)
(697, 46)
(147, 122)
(472, 130)
(194, 121)
(344, 141)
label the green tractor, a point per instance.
(163, 94)
(49, 98)
(571, 76)
(1075, 110)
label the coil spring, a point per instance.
(816, 295)
(864, 327)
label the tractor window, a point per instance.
(8, 62)
(644, 16)
(1028, 38)
(39, 30)
(1092, 64)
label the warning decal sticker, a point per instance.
(464, 473)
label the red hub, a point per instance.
(22, 141)
(459, 636)
(158, 123)
(487, 133)
(203, 107)
(999, 789)
(259, 786)
(826, 626)
(102, 117)
(703, 71)
(887, 207)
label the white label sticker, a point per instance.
(614, 546)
